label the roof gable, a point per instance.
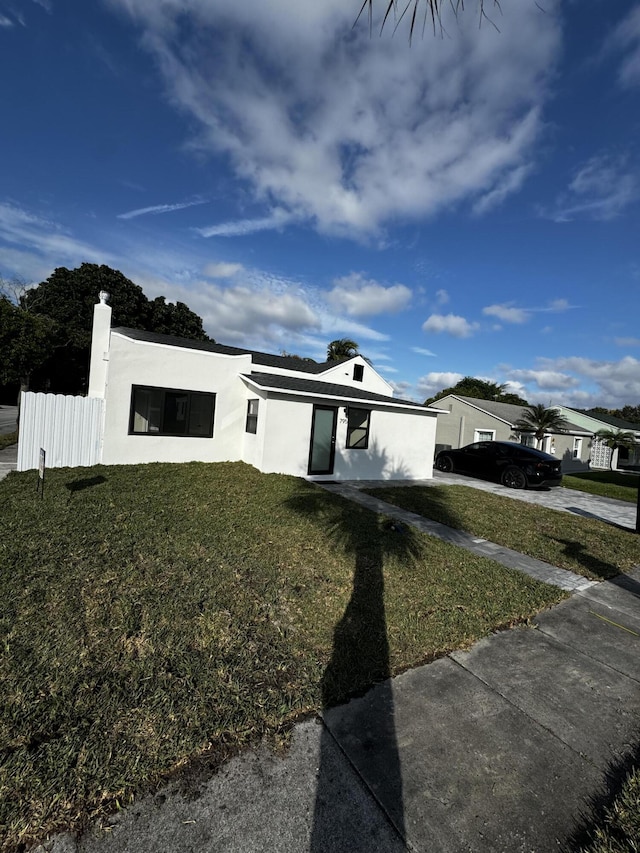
(285, 362)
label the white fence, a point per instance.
(68, 428)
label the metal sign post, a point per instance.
(41, 468)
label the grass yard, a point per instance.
(608, 484)
(157, 616)
(619, 830)
(591, 548)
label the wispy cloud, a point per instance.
(243, 227)
(627, 342)
(46, 238)
(509, 313)
(160, 208)
(5, 22)
(223, 270)
(601, 189)
(625, 40)
(422, 351)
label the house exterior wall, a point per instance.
(401, 442)
(458, 428)
(140, 363)
(401, 445)
(342, 374)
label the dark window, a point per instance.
(358, 428)
(252, 416)
(167, 411)
(358, 372)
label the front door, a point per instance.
(323, 440)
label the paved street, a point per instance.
(8, 416)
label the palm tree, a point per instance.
(342, 348)
(540, 421)
(615, 439)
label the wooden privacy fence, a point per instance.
(68, 428)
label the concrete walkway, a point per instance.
(537, 569)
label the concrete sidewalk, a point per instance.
(507, 747)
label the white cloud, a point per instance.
(347, 131)
(222, 270)
(442, 297)
(422, 351)
(579, 382)
(5, 22)
(431, 383)
(627, 342)
(243, 227)
(361, 297)
(545, 380)
(507, 313)
(625, 39)
(601, 190)
(452, 324)
(159, 208)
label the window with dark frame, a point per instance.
(358, 372)
(358, 421)
(252, 416)
(170, 411)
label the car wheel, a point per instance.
(513, 478)
(444, 463)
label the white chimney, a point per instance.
(100, 339)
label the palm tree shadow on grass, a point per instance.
(360, 658)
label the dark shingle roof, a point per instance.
(610, 420)
(283, 361)
(270, 381)
(509, 412)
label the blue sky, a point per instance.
(464, 205)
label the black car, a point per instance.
(514, 465)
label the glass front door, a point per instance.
(323, 440)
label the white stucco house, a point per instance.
(176, 400)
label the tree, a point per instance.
(342, 348)
(25, 343)
(469, 386)
(178, 319)
(26, 340)
(616, 439)
(68, 297)
(539, 420)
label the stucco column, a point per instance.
(100, 340)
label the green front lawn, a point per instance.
(608, 484)
(591, 548)
(619, 829)
(154, 617)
